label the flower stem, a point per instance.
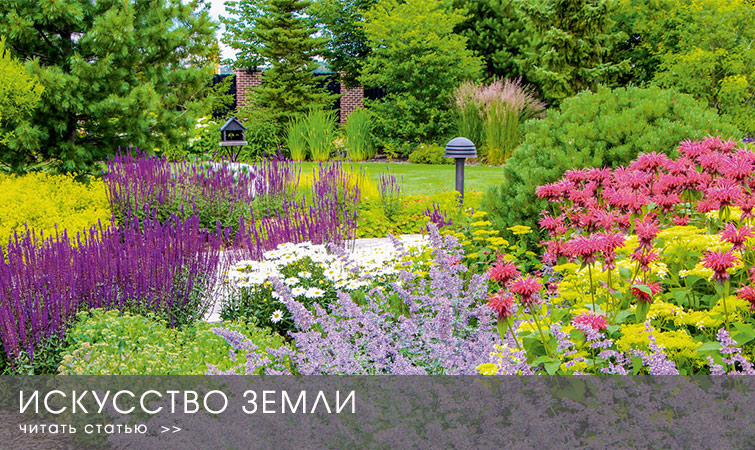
(592, 287)
(723, 299)
(542, 336)
(513, 335)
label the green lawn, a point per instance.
(428, 178)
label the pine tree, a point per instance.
(500, 34)
(282, 39)
(115, 73)
(577, 41)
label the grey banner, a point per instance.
(150, 412)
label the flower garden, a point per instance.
(643, 269)
(608, 226)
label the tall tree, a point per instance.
(416, 57)
(576, 50)
(715, 66)
(500, 33)
(115, 73)
(341, 21)
(278, 36)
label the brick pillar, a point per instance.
(351, 99)
(245, 80)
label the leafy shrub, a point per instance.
(394, 148)
(42, 202)
(358, 133)
(111, 343)
(261, 134)
(608, 128)
(20, 94)
(418, 63)
(429, 154)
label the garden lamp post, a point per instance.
(460, 148)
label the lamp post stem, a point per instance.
(460, 178)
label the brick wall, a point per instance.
(245, 80)
(351, 98)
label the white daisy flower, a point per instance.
(291, 281)
(277, 316)
(305, 275)
(297, 291)
(314, 293)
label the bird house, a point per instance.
(232, 133)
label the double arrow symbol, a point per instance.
(164, 429)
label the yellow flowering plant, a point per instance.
(50, 204)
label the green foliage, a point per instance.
(275, 33)
(340, 21)
(714, 65)
(493, 114)
(470, 115)
(411, 217)
(419, 61)
(47, 357)
(111, 343)
(578, 38)
(261, 134)
(604, 129)
(320, 131)
(19, 96)
(296, 139)
(429, 154)
(49, 204)
(115, 74)
(501, 34)
(358, 133)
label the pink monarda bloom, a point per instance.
(503, 271)
(527, 286)
(586, 248)
(719, 261)
(644, 296)
(589, 320)
(646, 231)
(736, 236)
(649, 162)
(503, 304)
(747, 293)
(645, 258)
(726, 193)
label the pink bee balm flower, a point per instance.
(503, 304)
(503, 271)
(646, 231)
(747, 293)
(725, 194)
(719, 261)
(644, 296)
(736, 236)
(645, 258)
(527, 287)
(596, 322)
(584, 247)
